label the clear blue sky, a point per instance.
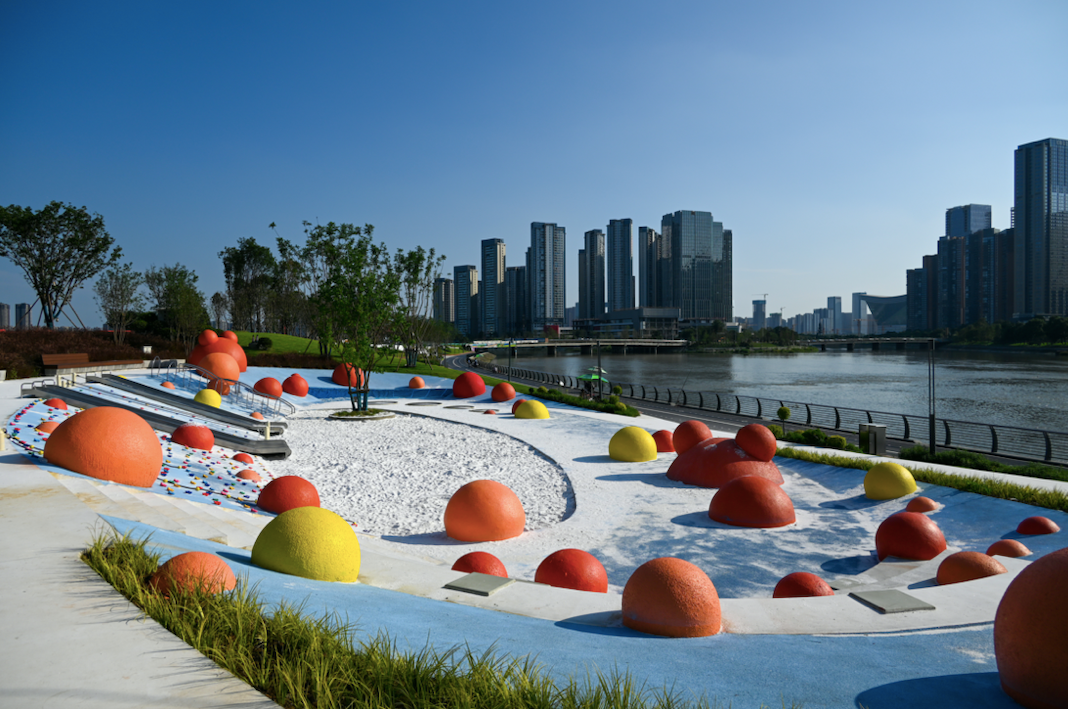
(829, 136)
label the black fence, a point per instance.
(1008, 441)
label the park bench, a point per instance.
(72, 363)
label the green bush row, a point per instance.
(814, 437)
(976, 461)
(611, 405)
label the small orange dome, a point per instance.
(516, 404)
(257, 415)
(230, 335)
(503, 392)
(223, 367)
(921, 504)
(480, 562)
(573, 568)
(207, 337)
(287, 493)
(1008, 547)
(295, 385)
(671, 597)
(269, 386)
(752, 501)
(967, 566)
(416, 383)
(223, 344)
(484, 511)
(167, 385)
(194, 436)
(244, 458)
(664, 442)
(56, 404)
(801, 584)
(47, 426)
(193, 571)
(711, 464)
(688, 434)
(109, 444)
(250, 475)
(758, 441)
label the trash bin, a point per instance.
(873, 438)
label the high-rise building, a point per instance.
(466, 289)
(834, 317)
(516, 300)
(492, 292)
(759, 314)
(951, 264)
(546, 262)
(592, 275)
(723, 275)
(647, 266)
(930, 267)
(23, 316)
(980, 267)
(916, 295)
(700, 252)
(444, 300)
(1040, 217)
(5, 316)
(968, 219)
(1004, 273)
(620, 258)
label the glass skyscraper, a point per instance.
(545, 274)
(968, 219)
(591, 276)
(1041, 229)
(620, 257)
(466, 288)
(492, 310)
(701, 265)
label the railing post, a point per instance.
(738, 405)
(949, 434)
(760, 409)
(837, 420)
(701, 400)
(808, 415)
(994, 440)
(1049, 446)
(906, 420)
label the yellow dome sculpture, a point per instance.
(309, 542)
(532, 410)
(632, 445)
(887, 481)
(209, 397)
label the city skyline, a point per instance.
(191, 135)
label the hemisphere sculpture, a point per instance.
(193, 436)
(752, 501)
(632, 444)
(967, 566)
(193, 571)
(287, 493)
(801, 584)
(909, 535)
(480, 562)
(484, 511)
(309, 542)
(107, 443)
(573, 568)
(671, 597)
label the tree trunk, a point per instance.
(411, 356)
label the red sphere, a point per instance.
(801, 584)
(752, 501)
(671, 597)
(516, 404)
(758, 441)
(295, 385)
(287, 493)
(480, 562)
(1038, 525)
(573, 568)
(269, 386)
(921, 504)
(467, 385)
(230, 335)
(223, 344)
(244, 458)
(207, 337)
(193, 436)
(56, 404)
(1008, 547)
(909, 535)
(664, 443)
(717, 464)
(688, 434)
(193, 571)
(967, 566)
(503, 392)
(348, 376)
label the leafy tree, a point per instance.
(248, 269)
(1057, 329)
(417, 270)
(287, 305)
(1034, 331)
(118, 297)
(178, 302)
(219, 306)
(58, 248)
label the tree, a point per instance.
(247, 269)
(178, 303)
(287, 306)
(58, 249)
(219, 306)
(118, 297)
(417, 270)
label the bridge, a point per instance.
(875, 343)
(587, 346)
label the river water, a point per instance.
(1004, 388)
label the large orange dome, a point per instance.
(109, 444)
(223, 344)
(484, 511)
(224, 367)
(671, 597)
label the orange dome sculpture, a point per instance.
(671, 597)
(230, 335)
(1037, 525)
(573, 568)
(489, 411)
(348, 376)
(921, 504)
(295, 385)
(909, 535)
(193, 571)
(56, 404)
(967, 566)
(269, 386)
(503, 392)
(1029, 634)
(207, 337)
(758, 441)
(244, 458)
(1008, 547)
(167, 385)
(108, 444)
(468, 385)
(416, 383)
(223, 367)
(223, 344)
(664, 441)
(250, 475)
(484, 511)
(752, 501)
(47, 426)
(801, 584)
(480, 562)
(516, 404)
(688, 434)
(715, 465)
(287, 493)
(194, 436)
(257, 415)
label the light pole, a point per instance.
(511, 346)
(600, 379)
(931, 392)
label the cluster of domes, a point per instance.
(714, 462)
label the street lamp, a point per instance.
(511, 346)
(931, 392)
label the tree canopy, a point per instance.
(178, 301)
(118, 297)
(58, 249)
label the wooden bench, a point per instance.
(71, 363)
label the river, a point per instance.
(1004, 388)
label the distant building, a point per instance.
(700, 255)
(961, 221)
(591, 266)
(445, 300)
(834, 317)
(5, 316)
(1040, 216)
(23, 316)
(620, 258)
(647, 266)
(516, 300)
(546, 262)
(1004, 274)
(916, 295)
(636, 323)
(951, 265)
(759, 314)
(492, 292)
(466, 285)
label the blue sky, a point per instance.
(829, 136)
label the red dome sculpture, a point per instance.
(56, 404)
(244, 458)
(1008, 547)
(250, 475)
(193, 571)
(967, 566)
(295, 385)
(222, 366)
(467, 385)
(207, 337)
(573, 568)
(489, 411)
(921, 504)
(257, 415)
(664, 441)
(688, 434)
(108, 444)
(269, 386)
(717, 464)
(229, 335)
(416, 383)
(1029, 634)
(752, 501)
(801, 584)
(1037, 525)
(516, 404)
(287, 493)
(484, 511)
(480, 562)
(223, 344)
(503, 392)
(348, 376)
(167, 385)
(758, 441)
(47, 426)
(671, 597)
(909, 535)
(193, 436)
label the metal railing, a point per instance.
(1009, 441)
(191, 378)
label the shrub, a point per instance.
(775, 430)
(783, 413)
(976, 461)
(264, 344)
(617, 390)
(837, 442)
(613, 399)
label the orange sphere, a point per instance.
(47, 426)
(416, 383)
(109, 444)
(295, 385)
(1038, 525)
(56, 404)
(967, 566)
(909, 535)
(801, 584)
(516, 404)
(1008, 547)
(503, 392)
(664, 442)
(223, 344)
(207, 337)
(244, 458)
(758, 441)
(671, 597)
(484, 511)
(688, 434)
(480, 562)
(921, 504)
(249, 475)
(269, 386)
(1029, 633)
(347, 376)
(193, 436)
(230, 335)
(467, 385)
(167, 385)
(287, 493)
(752, 501)
(223, 367)
(573, 568)
(193, 571)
